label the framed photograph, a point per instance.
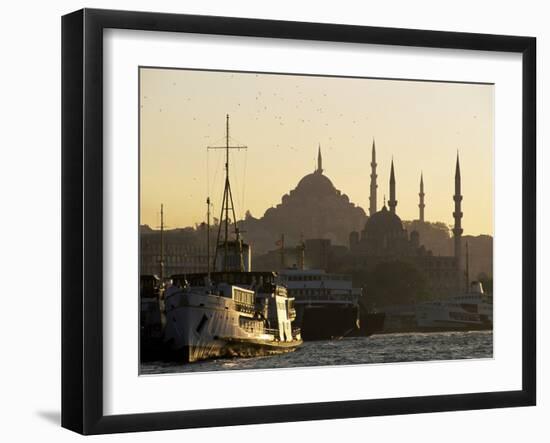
(269, 221)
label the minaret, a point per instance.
(457, 230)
(421, 194)
(161, 260)
(373, 185)
(319, 161)
(392, 202)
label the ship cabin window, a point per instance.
(242, 297)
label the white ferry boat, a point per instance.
(232, 311)
(229, 314)
(469, 311)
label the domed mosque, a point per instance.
(314, 209)
(384, 238)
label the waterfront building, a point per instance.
(183, 252)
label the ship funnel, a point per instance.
(233, 257)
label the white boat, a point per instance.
(229, 314)
(232, 311)
(469, 311)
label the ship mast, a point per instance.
(208, 236)
(227, 205)
(161, 261)
(162, 285)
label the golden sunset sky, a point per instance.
(283, 118)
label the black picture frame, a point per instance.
(82, 218)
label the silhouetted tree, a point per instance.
(392, 283)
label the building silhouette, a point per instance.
(184, 251)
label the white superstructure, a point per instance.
(234, 314)
(312, 286)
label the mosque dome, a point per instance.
(315, 184)
(383, 223)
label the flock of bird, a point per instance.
(292, 100)
(299, 108)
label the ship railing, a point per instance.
(296, 332)
(245, 307)
(326, 297)
(311, 300)
(260, 330)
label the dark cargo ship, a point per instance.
(327, 305)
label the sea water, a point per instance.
(383, 348)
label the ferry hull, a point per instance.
(193, 333)
(208, 326)
(257, 348)
(191, 354)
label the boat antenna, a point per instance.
(227, 205)
(282, 251)
(301, 252)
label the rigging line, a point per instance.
(235, 140)
(219, 194)
(236, 179)
(214, 182)
(219, 141)
(244, 184)
(240, 213)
